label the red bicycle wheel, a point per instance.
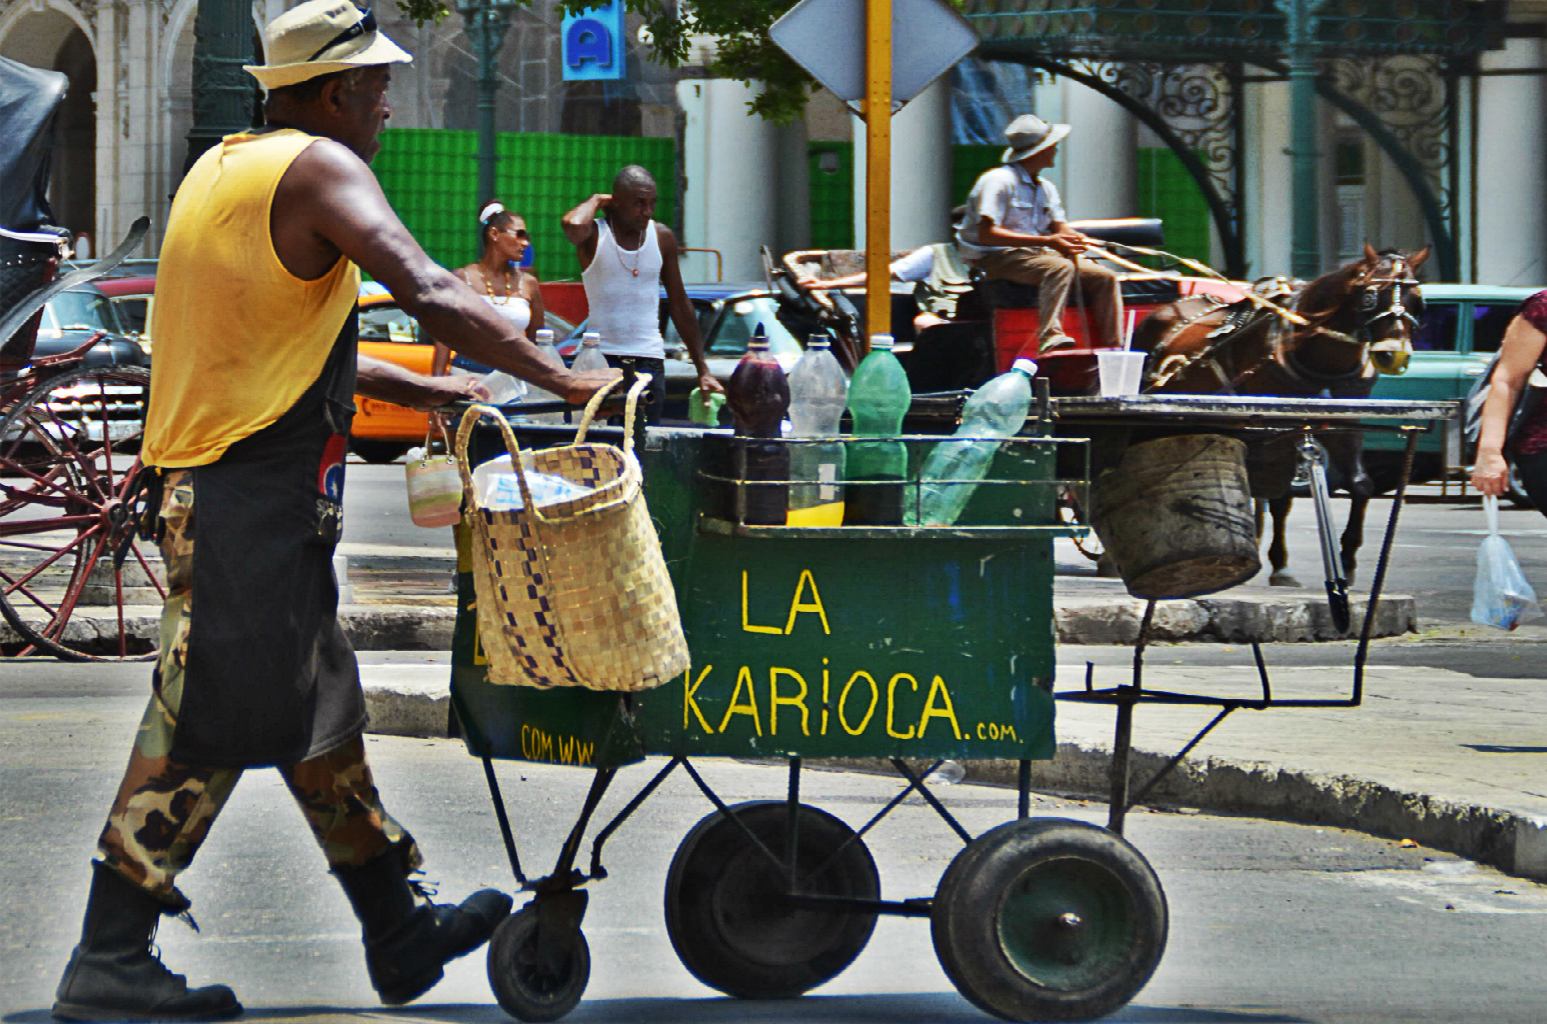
(75, 581)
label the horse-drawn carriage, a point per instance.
(71, 569)
(1328, 338)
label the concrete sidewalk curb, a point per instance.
(1080, 618)
(1512, 842)
(1115, 619)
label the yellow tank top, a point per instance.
(238, 337)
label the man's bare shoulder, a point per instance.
(664, 235)
(326, 161)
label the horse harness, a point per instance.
(1264, 303)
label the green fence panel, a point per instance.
(430, 176)
(967, 162)
(832, 194)
(1167, 191)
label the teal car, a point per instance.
(1458, 334)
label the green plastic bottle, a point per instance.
(879, 397)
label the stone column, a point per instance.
(1267, 189)
(793, 218)
(921, 171)
(1512, 205)
(732, 163)
(1098, 155)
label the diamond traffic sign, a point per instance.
(827, 38)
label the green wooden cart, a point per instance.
(896, 645)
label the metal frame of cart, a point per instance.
(1035, 919)
(906, 644)
(1247, 417)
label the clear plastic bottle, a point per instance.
(590, 355)
(758, 395)
(995, 411)
(879, 397)
(549, 352)
(818, 392)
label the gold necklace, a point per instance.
(500, 300)
(617, 247)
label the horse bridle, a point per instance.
(1396, 278)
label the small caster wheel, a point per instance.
(726, 908)
(1049, 920)
(529, 985)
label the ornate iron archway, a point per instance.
(1180, 66)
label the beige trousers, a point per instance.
(1053, 274)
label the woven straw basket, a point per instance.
(575, 593)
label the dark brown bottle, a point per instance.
(758, 397)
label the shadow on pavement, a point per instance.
(921, 1008)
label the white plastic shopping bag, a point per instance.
(1501, 596)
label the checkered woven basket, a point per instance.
(574, 593)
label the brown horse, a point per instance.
(1348, 327)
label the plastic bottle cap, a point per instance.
(759, 338)
(1026, 366)
(591, 338)
(544, 335)
(819, 341)
(881, 341)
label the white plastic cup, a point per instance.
(1120, 372)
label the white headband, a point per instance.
(489, 211)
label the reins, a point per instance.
(1393, 281)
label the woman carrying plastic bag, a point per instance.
(1502, 596)
(1512, 426)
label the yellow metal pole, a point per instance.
(878, 167)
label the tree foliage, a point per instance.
(739, 29)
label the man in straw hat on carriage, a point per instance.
(1015, 229)
(251, 397)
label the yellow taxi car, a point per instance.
(383, 431)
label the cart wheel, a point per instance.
(1049, 920)
(68, 451)
(726, 911)
(528, 988)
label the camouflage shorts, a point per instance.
(164, 809)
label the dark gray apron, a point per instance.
(270, 678)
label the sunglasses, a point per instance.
(519, 233)
(367, 23)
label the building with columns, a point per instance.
(1444, 149)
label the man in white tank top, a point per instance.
(624, 262)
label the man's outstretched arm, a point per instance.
(330, 192)
(377, 378)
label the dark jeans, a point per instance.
(655, 398)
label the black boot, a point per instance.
(407, 943)
(112, 974)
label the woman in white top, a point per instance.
(497, 276)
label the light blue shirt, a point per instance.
(1014, 200)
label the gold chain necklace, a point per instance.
(617, 247)
(499, 300)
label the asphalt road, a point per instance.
(1270, 923)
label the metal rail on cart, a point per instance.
(1247, 417)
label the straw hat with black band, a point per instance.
(1029, 134)
(321, 37)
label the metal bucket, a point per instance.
(1176, 516)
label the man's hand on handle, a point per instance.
(583, 385)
